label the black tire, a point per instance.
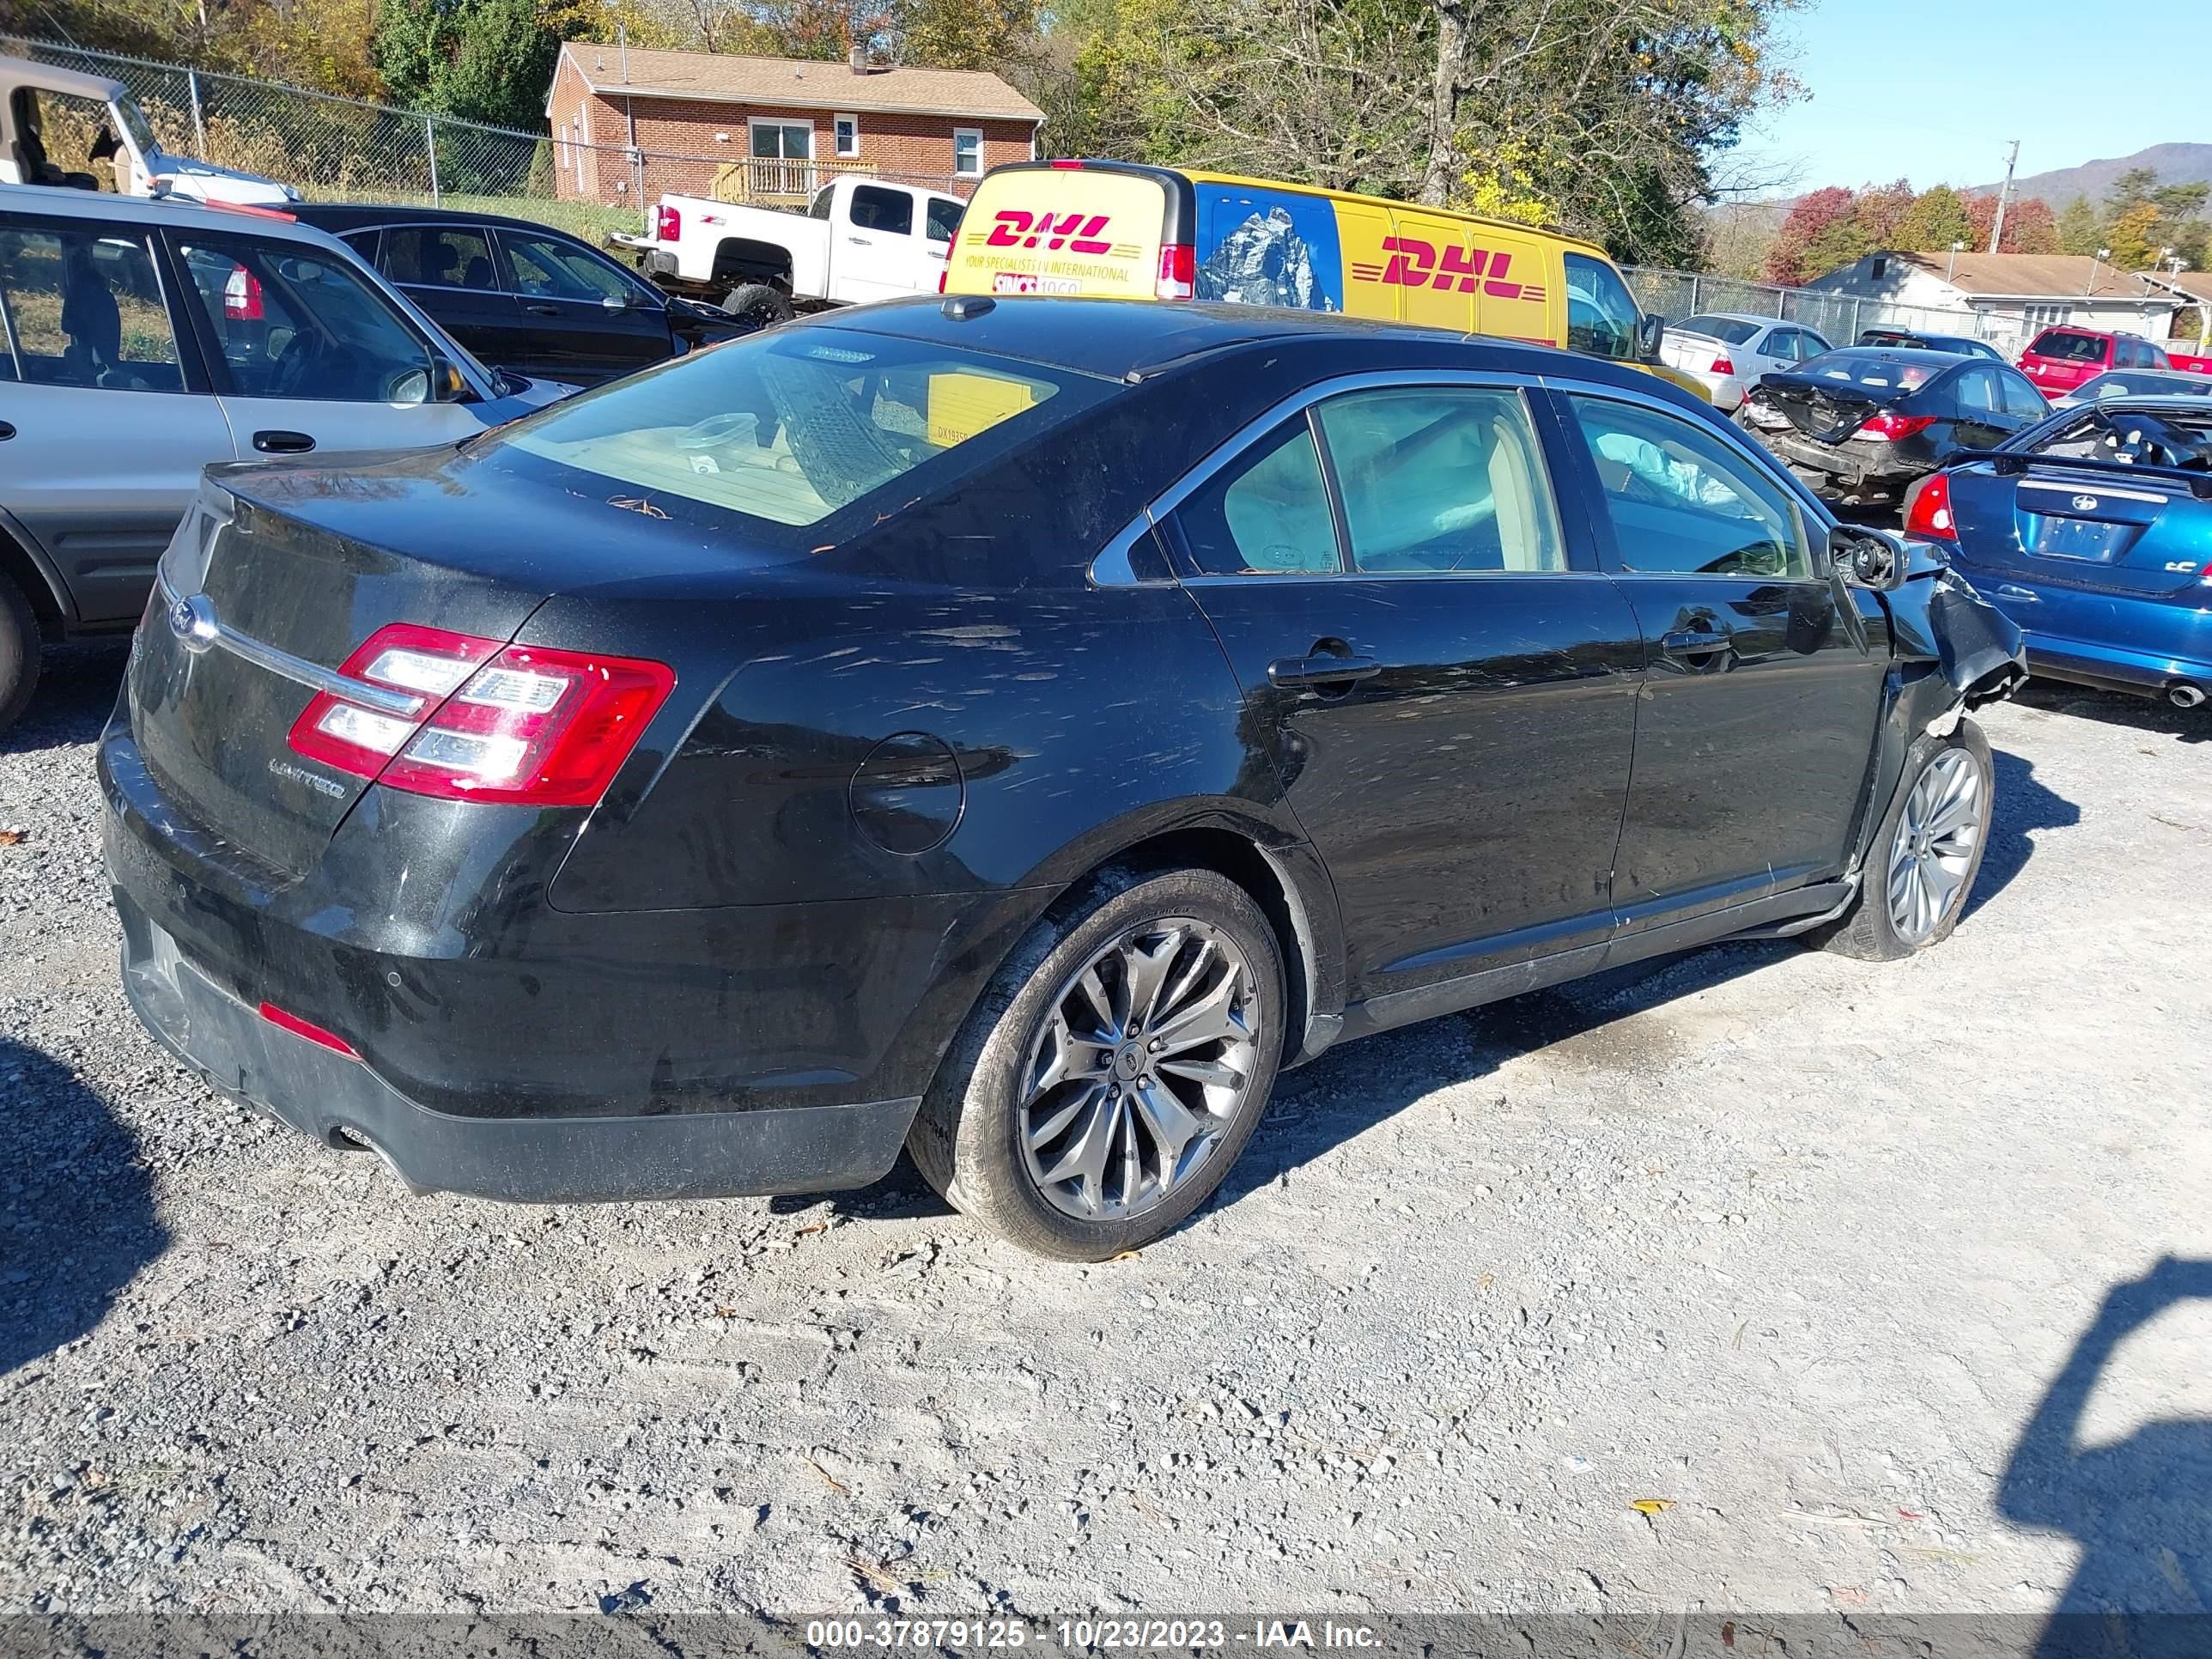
(1866, 931)
(20, 649)
(761, 304)
(967, 1139)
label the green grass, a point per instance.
(590, 220)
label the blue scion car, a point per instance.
(2093, 531)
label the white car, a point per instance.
(39, 104)
(1727, 351)
(859, 239)
(146, 340)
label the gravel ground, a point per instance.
(1799, 1246)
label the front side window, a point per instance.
(1265, 513)
(793, 425)
(889, 211)
(294, 322)
(1443, 479)
(440, 256)
(1976, 390)
(85, 309)
(968, 152)
(1683, 502)
(546, 268)
(2021, 397)
(1601, 314)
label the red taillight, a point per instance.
(1930, 517)
(308, 1029)
(667, 225)
(1722, 364)
(1889, 426)
(520, 724)
(241, 296)
(1178, 271)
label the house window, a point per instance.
(968, 152)
(782, 159)
(849, 135)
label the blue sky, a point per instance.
(1932, 90)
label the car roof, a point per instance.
(45, 77)
(1136, 339)
(355, 216)
(59, 202)
(1927, 354)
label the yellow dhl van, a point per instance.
(1117, 230)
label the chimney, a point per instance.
(857, 58)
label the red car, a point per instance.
(2059, 359)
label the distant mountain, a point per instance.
(2175, 164)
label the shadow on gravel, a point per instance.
(901, 1195)
(2140, 1508)
(2151, 715)
(1350, 1090)
(76, 695)
(2023, 806)
(76, 1210)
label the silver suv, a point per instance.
(145, 339)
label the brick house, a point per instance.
(770, 129)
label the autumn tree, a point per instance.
(1812, 218)
(1937, 218)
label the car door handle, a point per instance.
(860, 241)
(1696, 647)
(7, 430)
(1324, 670)
(2018, 595)
(543, 310)
(280, 442)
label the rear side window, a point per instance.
(1265, 513)
(1682, 502)
(440, 256)
(945, 217)
(791, 426)
(86, 309)
(1733, 330)
(889, 211)
(1442, 480)
(2064, 346)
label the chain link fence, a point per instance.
(1838, 318)
(341, 149)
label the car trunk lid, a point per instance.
(1825, 410)
(258, 608)
(2081, 526)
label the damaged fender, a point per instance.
(1937, 617)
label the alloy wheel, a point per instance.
(1144, 1062)
(1936, 839)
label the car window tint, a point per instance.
(1601, 316)
(945, 217)
(1265, 513)
(1444, 479)
(2021, 397)
(86, 309)
(890, 211)
(1976, 390)
(291, 322)
(546, 268)
(1810, 345)
(440, 256)
(1682, 499)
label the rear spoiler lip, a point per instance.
(2011, 463)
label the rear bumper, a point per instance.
(1833, 470)
(2100, 639)
(566, 1160)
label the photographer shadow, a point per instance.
(2141, 1508)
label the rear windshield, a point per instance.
(2151, 385)
(2070, 347)
(1730, 331)
(792, 425)
(1873, 370)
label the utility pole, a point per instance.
(2004, 196)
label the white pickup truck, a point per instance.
(858, 240)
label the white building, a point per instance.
(2012, 296)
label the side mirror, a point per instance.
(1868, 558)
(1650, 334)
(447, 384)
(612, 303)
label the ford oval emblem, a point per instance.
(193, 621)
(2085, 503)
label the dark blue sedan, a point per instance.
(2092, 531)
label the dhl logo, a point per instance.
(1078, 233)
(1414, 263)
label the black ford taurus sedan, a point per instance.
(1013, 730)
